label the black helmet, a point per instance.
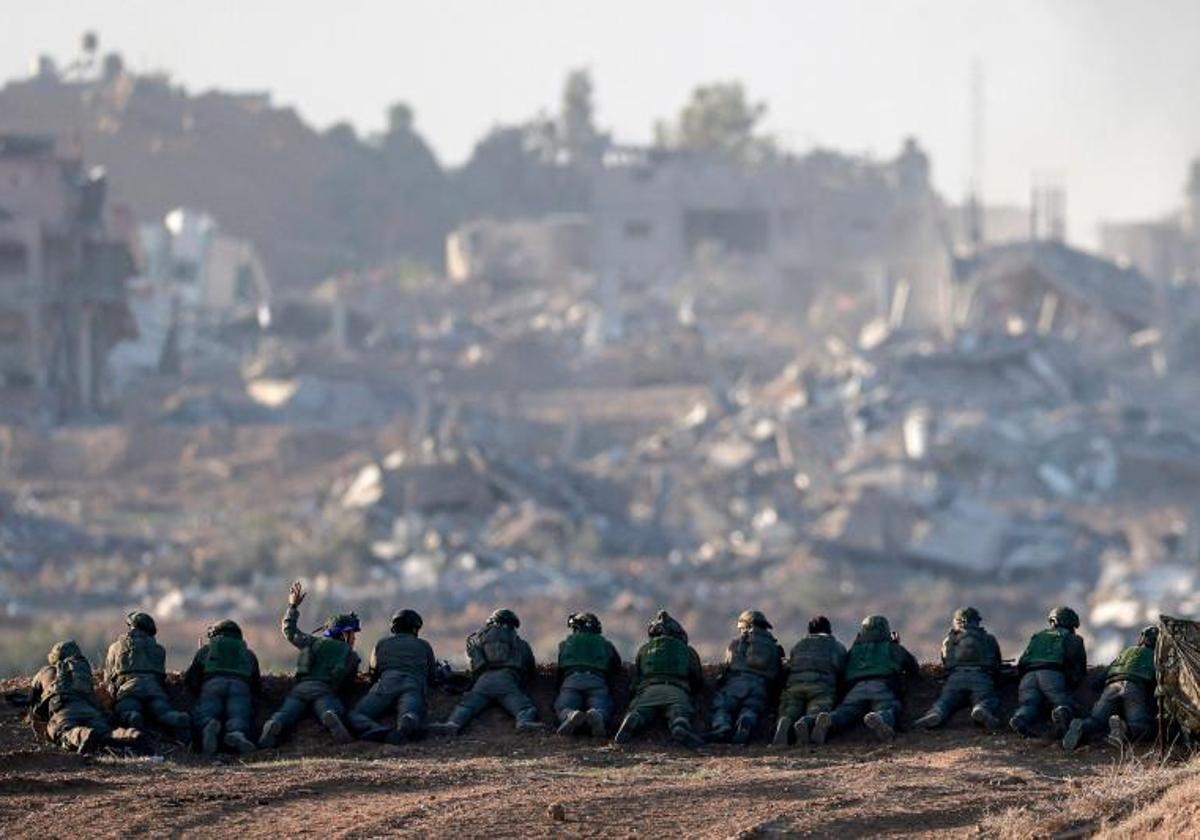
(753, 618)
(820, 624)
(141, 621)
(663, 625)
(1064, 617)
(407, 621)
(584, 622)
(226, 627)
(875, 628)
(503, 616)
(967, 616)
(1149, 636)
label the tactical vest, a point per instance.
(1047, 647)
(228, 656)
(814, 659)
(756, 652)
(137, 653)
(1133, 663)
(496, 646)
(665, 658)
(402, 652)
(73, 678)
(325, 660)
(969, 647)
(871, 660)
(584, 652)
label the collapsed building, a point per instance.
(63, 303)
(1167, 250)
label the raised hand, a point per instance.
(296, 594)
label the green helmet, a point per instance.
(340, 624)
(967, 616)
(1148, 637)
(663, 625)
(584, 622)
(225, 627)
(142, 621)
(1064, 617)
(407, 621)
(875, 628)
(503, 616)
(753, 618)
(64, 650)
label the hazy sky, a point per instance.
(1103, 95)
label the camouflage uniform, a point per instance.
(502, 664)
(136, 672)
(753, 666)
(815, 667)
(971, 659)
(63, 695)
(1129, 686)
(877, 667)
(667, 672)
(326, 665)
(1052, 665)
(587, 662)
(401, 668)
(225, 675)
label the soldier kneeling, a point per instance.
(224, 672)
(587, 663)
(63, 695)
(136, 671)
(971, 659)
(667, 672)
(402, 667)
(1129, 685)
(753, 665)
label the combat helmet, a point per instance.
(663, 625)
(1148, 637)
(225, 627)
(64, 650)
(143, 621)
(407, 621)
(753, 618)
(875, 628)
(1064, 617)
(584, 622)
(967, 617)
(341, 624)
(504, 616)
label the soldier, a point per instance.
(753, 666)
(224, 673)
(501, 666)
(587, 663)
(667, 672)
(326, 664)
(63, 694)
(1129, 685)
(1052, 665)
(136, 671)
(815, 669)
(402, 668)
(876, 669)
(971, 659)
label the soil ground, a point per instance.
(491, 781)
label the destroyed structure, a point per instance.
(1166, 250)
(63, 299)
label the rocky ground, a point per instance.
(492, 782)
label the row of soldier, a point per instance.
(823, 686)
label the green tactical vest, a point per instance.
(325, 660)
(1047, 647)
(814, 658)
(228, 656)
(665, 658)
(969, 647)
(496, 646)
(140, 654)
(756, 652)
(584, 652)
(871, 660)
(402, 652)
(1133, 663)
(73, 678)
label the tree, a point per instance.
(577, 128)
(718, 118)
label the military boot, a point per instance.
(929, 720)
(409, 725)
(821, 727)
(625, 731)
(133, 720)
(783, 730)
(446, 728)
(271, 731)
(681, 732)
(1017, 724)
(720, 732)
(882, 729)
(744, 730)
(1118, 732)
(1060, 716)
(595, 722)
(984, 718)
(331, 721)
(208, 737)
(571, 722)
(1074, 736)
(90, 742)
(128, 738)
(238, 741)
(803, 730)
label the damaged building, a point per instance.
(63, 303)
